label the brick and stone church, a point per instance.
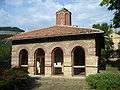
(62, 50)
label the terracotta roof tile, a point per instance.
(53, 31)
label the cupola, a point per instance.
(63, 17)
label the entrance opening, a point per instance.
(78, 57)
(23, 58)
(57, 61)
(39, 62)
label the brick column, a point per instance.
(48, 71)
(91, 61)
(91, 65)
(31, 66)
(67, 65)
(15, 59)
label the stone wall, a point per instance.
(116, 40)
(91, 60)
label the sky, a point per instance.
(34, 14)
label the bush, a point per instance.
(5, 50)
(15, 78)
(5, 85)
(2, 71)
(104, 81)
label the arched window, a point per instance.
(57, 61)
(23, 57)
(39, 56)
(78, 58)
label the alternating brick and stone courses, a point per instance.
(61, 50)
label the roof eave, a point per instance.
(57, 36)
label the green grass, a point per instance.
(110, 69)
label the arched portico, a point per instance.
(78, 61)
(39, 62)
(23, 58)
(57, 61)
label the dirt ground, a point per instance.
(53, 83)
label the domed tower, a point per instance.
(63, 17)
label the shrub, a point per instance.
(104, 81)
(1, 71)
(4, 85)
(15, 78)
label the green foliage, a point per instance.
(2, 71)
(15, 78)
(118, 32)
(113, 5)
(108, 41)
(15, 74)
(104, 81)
(4, 85)
(104, 26)
(15, 29)
(106, 52)
(112, 69)
(5, 50)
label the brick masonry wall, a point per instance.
(63, 18)
(91, 60)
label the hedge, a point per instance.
(104, 81)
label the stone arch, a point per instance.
(39, 61)
(34, 48)
(23, 58)
(57, 61)
(54, 45)
(78, 60)
(71, 47)
(22, 47)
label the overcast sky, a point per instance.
(30, 14)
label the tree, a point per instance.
(107, 34)
(118, 32)
(113, 5)
(5, 50)
(6, 32)
(105, 53)
(6, 45)
(15, 29)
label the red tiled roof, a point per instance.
(53, 31)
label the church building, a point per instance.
(60, 50)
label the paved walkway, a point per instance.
(58, 83)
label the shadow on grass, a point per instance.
(30, 85)
(20, 85)
(17, 78)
